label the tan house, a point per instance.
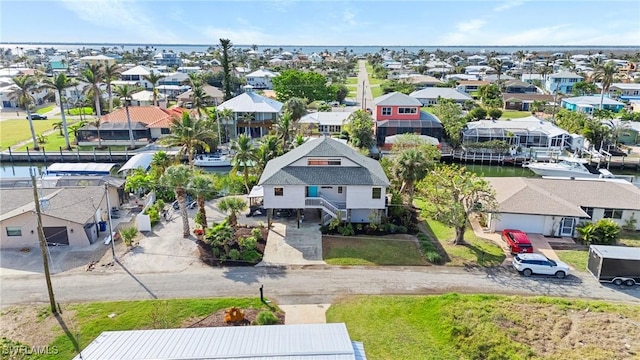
(70, 215)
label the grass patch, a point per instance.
(428, 109)
(454, 326)
(93, 318)
(371, 251)
(352, 93)
(351, 81)
(45, 109)
(514, 114)
(576, 258)
(376, 91)
(87, 110)
(14, 131)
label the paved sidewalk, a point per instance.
(288, 245)
(305, 313)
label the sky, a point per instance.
(328, 22)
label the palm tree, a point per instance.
(153, 78)
(189, 133)
(605, 74)
(245, 155)
(410, 166)
(160, 162)
(226, 115)
(93, 77)
(177, 177)
(58, 83)
(111, 73)
(296, 107)
(225, 45)
(496, 64)
(285, 131)
(125, 92)
(25, 84)
(233, 206)
(198, 99)
(58, 125)
(269, 149)
(202, 187)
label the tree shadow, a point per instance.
(484, 258)
(252, 274)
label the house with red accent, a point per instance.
(396, 113)
(147, 122)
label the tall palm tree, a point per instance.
(125, 92)
(25, 84)
(93, 77)
(58, 83)
(285, 131)
(177, 177)
(269, 149)
(226, 115)
(297, 107)
(233, 206)
(202, 187)
(199, 99)
(411, 166)
(111, 73)
(496, 64)
(189, 133)
(160, 162)
(225, 47)
(605, 73)
(244, 156)
(153, 78)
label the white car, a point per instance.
(528, 264)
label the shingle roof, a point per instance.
(396, 99)
(279, 172)
(562, 197)
(251, 102)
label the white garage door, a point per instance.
(527, 223)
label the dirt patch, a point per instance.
(217, 319)
(32, 325)
(574, 334)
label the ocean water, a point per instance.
(357, 50)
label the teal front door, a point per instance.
(312, 191)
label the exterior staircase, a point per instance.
(331, 211)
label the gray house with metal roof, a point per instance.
(329, 175)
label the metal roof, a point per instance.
(275, 342)
(139, 161)
(80, 168)
(617, 252)
(396, 99)
(251, 102)
(326, 118)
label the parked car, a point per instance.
(191, 204)
(517, 241)
(37, 117)
(528, 264)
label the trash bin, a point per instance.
(102, 225)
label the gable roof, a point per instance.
(396, 99)
(591, 100)
(262, 73)
(562, 197)
(445, 93)
(138, 70)
(251, 102)
(565, 75)
(326, 118)
(146, 95)
(280, 172)
(211, 91)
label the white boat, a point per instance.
(212, 160)
(568, 168)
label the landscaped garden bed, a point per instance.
(223, 244)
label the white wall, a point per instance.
(361, 215)
(27, 223)
(331, 193)
(293, 197)
(626, 214)
(535, 224)
(359, 197)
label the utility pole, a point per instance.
(111, 235)
(43, 245)
(363, 91)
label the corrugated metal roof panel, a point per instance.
(278, 342)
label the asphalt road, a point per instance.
(297, 285)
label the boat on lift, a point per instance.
(216, 159)
(568, 168)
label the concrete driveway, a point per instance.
(289, 244)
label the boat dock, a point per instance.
(43, 156)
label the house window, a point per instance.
(589, 211)
(278, 191)
(14, 231)
(612, 214)
(324, 162)
(339, 189)
(386, 111)
(376, 193)
(405, 110)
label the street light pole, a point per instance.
(43, 245)
(363, 91)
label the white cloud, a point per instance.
(507, 5)
(126, 18)
(471, 25)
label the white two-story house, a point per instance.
(261, 79)
(329, 175)
(562, 82)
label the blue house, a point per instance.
(562, 82)
(587, 104)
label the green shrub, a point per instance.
(215, 252)
(346, 230)
(392, 228)
(234, 254)
(429, 249)
(128, 234)
(495, 113)
(256, 233)
(154, 216)
(402, 229)
(266, 318)
(603, 232)
(199, 219)
(248, 242)
(251, 256)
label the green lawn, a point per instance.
(454, 326)
(352, 81)
(14, 131)
(513, 114)
(352, 93)
(576, 258)
(46, 109)
(87, 110)
(86, 321)
(371, 251)
(428, 109)
(376, 91)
